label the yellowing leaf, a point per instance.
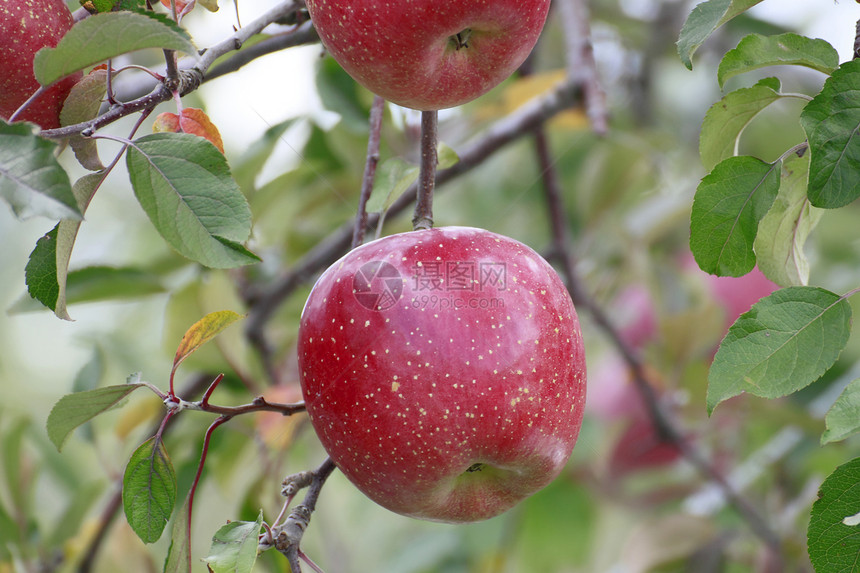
(525, 89)
(203, 331)
(191, 120)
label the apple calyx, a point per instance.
(460, 39)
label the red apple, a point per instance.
(426, 54)
(444, 371)
(27, 26)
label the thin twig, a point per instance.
(376, 112)
(423, 217)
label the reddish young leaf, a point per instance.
(191, 120)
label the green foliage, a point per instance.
(756, 51)
(234, 547)
(149, 490)
(726, 120)
(184, 184)
(783, 231)
(833, 536)
(31, 179)
(704, 20)
(730, 201)
(73, 410)
(104, 36)
(831, 121)
(843, 418)
(785, 342)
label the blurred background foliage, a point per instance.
(295, 130)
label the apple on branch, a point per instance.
(27, 26)
(444, 371)
(429, 55)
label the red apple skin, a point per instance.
(404, 52)
(27, 26)
(407, 397)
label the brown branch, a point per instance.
(581, 67)
(376, 112)
(423, 217)
(287, 537)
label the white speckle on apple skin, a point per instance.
(505, 390)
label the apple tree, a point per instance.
(389, 285)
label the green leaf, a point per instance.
(47, 270)
(179, 553)
(40, 273)
(253, 159)
(703, 20)
(831, 122)
(756, 51)
(393, 177)
(726, 120)
(104, 36)
(785, 342)
(73, 410)
(234, 547)
(149, 490)
(31, 179)
(843, 418)
(729, 203)
(783, 231)
(184, 184)
(833, 544)
(83, 104)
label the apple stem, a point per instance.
(36, 95)
(423, 218)
(376, 111)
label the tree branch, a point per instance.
(287, 537)
(376, 111)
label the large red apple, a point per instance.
(25, 27)
(444, 371)
(427, 54)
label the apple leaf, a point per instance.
(757, 51)
(82, 104)
(254, 158)
(179, 553)
(31, 179)
(104, 36)
(833, 536)
(831, 122)
(203, 331)
(46, 272)
(785, 342)
(729, 203)
(190, 120)
(782, 232)
(843, 418)
(703, 20)
(149, 490)
(726, 120)
(234, 547)
(393, 178)
(73, 410)
(184, 184)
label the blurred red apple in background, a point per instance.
(27, 26)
